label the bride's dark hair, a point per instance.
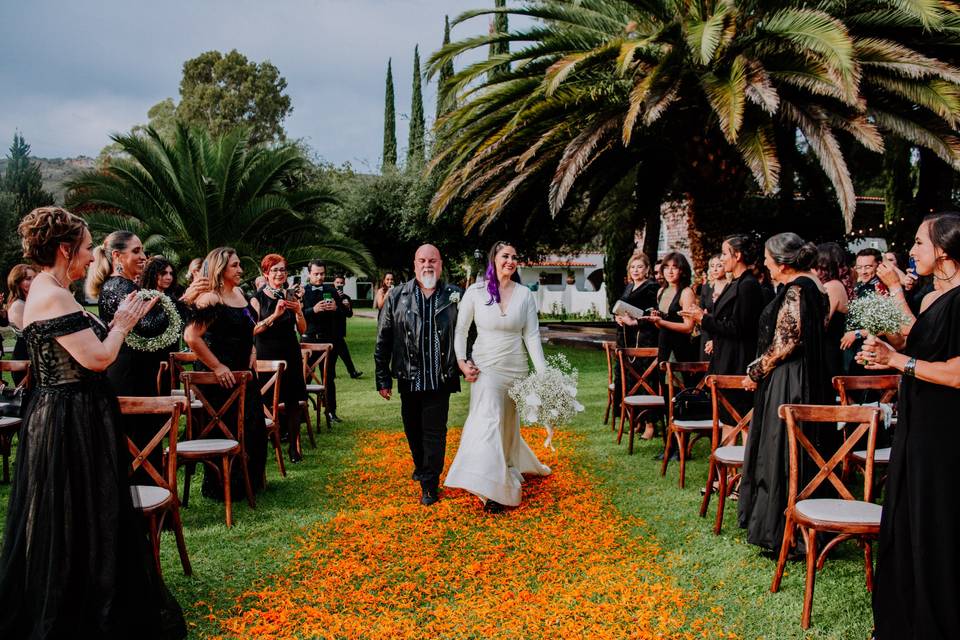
(493, 282)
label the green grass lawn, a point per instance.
(731, 577)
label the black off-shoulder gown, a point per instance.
(76, 560)
(916, 594)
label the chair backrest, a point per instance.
(888, 384)
(158, 406)
(315, 364)
(270, 390)
(18, 366)
(805, 417)
(673, 372)
(637, 369)
(177, 363)
(194, 383)
(719, 386)
(609, 350)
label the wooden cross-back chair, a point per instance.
(847, 386)
(217, 454)
(157, 500)
(638, 369)
(846, 517)
(10, 425)
(685, 432)
(177, 364)
(726, 456)
(610, 351)
(270, 391)
(316, 365)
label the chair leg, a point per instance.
(227, 498)
(868, 563)
(788, 533)
(666, 451)
(606, 416)
(683, 438)
(634, 419)
(278, 453)
(188, 473)
(246, 481)
(721, 499)
(811, 540)
(306, 417)
(711, 476)
(181, 543)
(154, 527)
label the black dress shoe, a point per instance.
(493, 507)
(356, 374)
(674, 455)
(295, 456)
(335, 418)
(429, 497)
(418, 476)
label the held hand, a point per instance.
(197, 288)
(693, 312)
(224, 376)
(470, 370)
(708, 347)
(875, 354)
(293, 305)
(131, 310)
(329, 305)
(890, 276)
(749, 384)
(281, 307)
(385, 394)
(847, 340)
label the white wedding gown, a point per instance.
(492, 456)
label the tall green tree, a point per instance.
(23, 180)
(704, 89)
(445, 99)
(197, 192)
(222, 92)
(417, 142)
(499, 44)
(389, 122)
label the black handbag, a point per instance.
(693, 404)
(11, 401)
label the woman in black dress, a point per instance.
(280, 317)
(716, 282)
(830, 259)
(674, 341)
(641, 292)
(220, 332)
(917, 584)
(76, 560)
(18, 285)
(791, 368)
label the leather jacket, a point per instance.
(397, 352)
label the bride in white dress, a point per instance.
(492, 455)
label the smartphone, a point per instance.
(205, 269)
(327, 295)
(290, 293)
(912, 268)
(296, 281)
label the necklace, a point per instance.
(55, 279)
(947, 279)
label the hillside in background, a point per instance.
(56, 171)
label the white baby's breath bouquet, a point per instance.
(875, 314)
(548, 398)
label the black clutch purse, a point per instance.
(11, 401)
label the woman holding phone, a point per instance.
(279, 319)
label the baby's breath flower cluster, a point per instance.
(548, 398)
(174, 324)
(876, 314)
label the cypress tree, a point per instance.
(389, 123)
(500, 25)
(445, 103)
(22, 179)
(416, 146)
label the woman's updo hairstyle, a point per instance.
(790, 250)
(44, 229)
(746, 246)
(102, 265)
(944, 229)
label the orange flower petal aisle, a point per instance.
(561, 565)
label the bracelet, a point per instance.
(910, 369)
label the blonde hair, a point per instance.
(102, 265)
(17, 275)
(642, 258)
(217, 261)
(194, 265)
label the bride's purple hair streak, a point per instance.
(493, 282)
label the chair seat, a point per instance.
(8, 423)
(644, 401)
(731, 454)
(315, 388)
(693, 425)
(206, 446)
(837, 511)
(881, 456)
(612, 386)
(146, 497)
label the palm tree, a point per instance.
(700, 96)
(188, 195)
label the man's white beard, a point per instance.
(428, 280)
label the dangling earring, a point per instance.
(119, 269)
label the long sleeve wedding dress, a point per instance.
(492, 455)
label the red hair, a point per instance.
(269, 261)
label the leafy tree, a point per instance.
(162, 117)
(197, 192)
(221, 92)
(499, 48)
(715, 94)
(389, 122)
(445, 99)
(417, 143)
(23, 180)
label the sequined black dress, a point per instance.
(76, 561)
(229, 336)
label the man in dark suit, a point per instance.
(415, 345)
(323, 307)
(343, 351)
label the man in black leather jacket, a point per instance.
(415, 346)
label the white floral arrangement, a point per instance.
(875, 314)
(454, 297)
(548, 398)
(174, 324)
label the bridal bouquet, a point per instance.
(876, 314)
(548, 398)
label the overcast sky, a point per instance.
(73, 71)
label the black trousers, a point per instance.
(330, 393)
(425, 425)
(343, 351)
